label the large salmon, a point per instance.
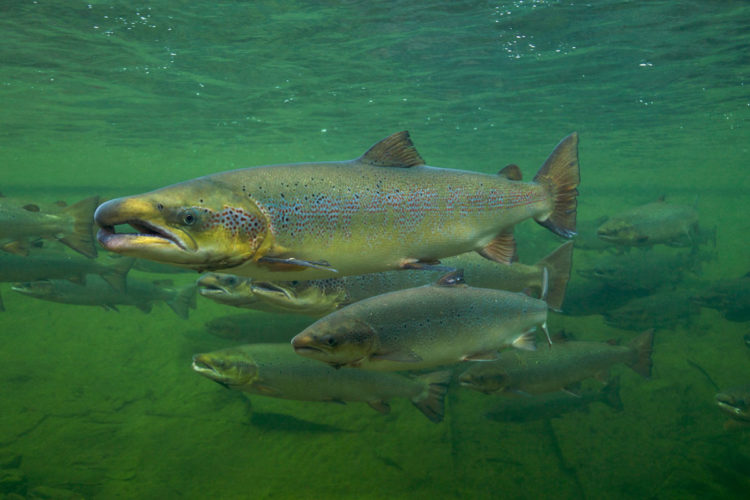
(385, 210)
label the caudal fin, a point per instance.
(561, 176)
(81, 239)
(183, 301)
(558, 265)
(431, 401)
(643, 346)
(116, 274)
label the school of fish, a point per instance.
(409, 271)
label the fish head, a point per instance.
(41, 288)
(337, 339)
(202, 224)
(621, 232)
(297, 297)
(226, 288)
(231, 368)
(736, 403)
(488, 381)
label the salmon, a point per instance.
(386, 210)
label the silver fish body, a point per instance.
(274, 370)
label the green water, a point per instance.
(113, 98)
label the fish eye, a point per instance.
(189, 217)
(329, 340)
(231, 280)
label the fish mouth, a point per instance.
(210, 287)
(204, 368)
(305, 345)
(146, 233)
(266, 288)
(208, 371)
(212, 290)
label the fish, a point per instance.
(730, 297)
(556, 404)
(58, 265)
(645, 271)
(586, 237)
(660, 310)
(735, 402)
(249, 328)
(97, 292)
(438, 324)
(274, 370)
(318, 298)
(558, 368)
(312, 298)
(71, 226)
(385, 210)
(654, 223)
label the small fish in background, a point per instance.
(645, 271)
(311, 298)
(39, 265)
(730, 297)
(558, 368)
(424, 327)
(586, 237)
(252, 328)
(20, 227)
(556, 404)
(386, 210)
(735, 403)
(274, 370)
(320, 297)
(97, 292)
(665, 309)
(654, 223)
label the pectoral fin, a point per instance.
(482, 356)
(292, 264)
(501, 249)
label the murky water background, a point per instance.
(114, 98)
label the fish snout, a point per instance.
(121, 210)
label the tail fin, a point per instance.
(183, 301)
(431, 401)
(558, 264)
(2, 306)
(642, 346)
(82, 238)
(610, 394)
(117, 273)
(560, 175)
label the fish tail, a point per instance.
(2, 306)
(643, 346)
(431, 401)
(560, 176)
(558, 265)
(81, 239)
(116, 274)
(611, 394)
(183, 301)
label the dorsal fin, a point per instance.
(511, 172)
(396, 150)
(453, 278)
